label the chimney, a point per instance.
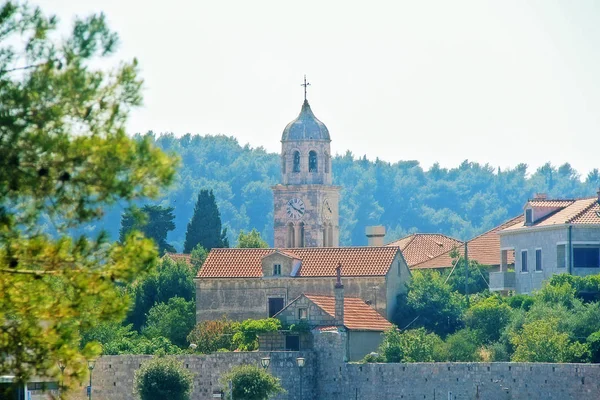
(540, 196)
(375, 235)
(339, 297)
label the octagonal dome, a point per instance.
(305, 127)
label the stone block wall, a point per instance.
(113, 376)
(489, 381)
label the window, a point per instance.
(326, 161)
(276, 269)
(524, 261)
(291, 236)
(312, 161)
(561, 255)
(275, 305)
(538, 259)
(301, 244)
(586, 257)
(399, 266)
(292, 343)
(529, 216)
(296, 161)
(302, 313)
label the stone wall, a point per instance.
(113, 376)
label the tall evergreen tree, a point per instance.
(154, 221)
(205, 226)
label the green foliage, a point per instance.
(250, 382)
(584, 286)
(520, 301)
(163, 378)
(463, 346)
(246, 339)
(478, 276)
(430, 303)
(593, 342)
(211, 336)
(171, 279)
(541, 341)
(198, 257)
(173, 320)
(155, 222)
(415, 345)
(558, 293)
(251, 239)
(205, 226)
(65, 159)
(488, 318)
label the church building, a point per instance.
(259, 283)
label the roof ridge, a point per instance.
(462, 244)
(583, 211)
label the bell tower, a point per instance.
(306, 203)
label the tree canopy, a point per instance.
(462, 201)
(204, 228)
(250, 382)
(155, 222)
(64, 159)
(163, 378)
(251, 239)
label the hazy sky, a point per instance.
(499, 82)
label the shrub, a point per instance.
(250, 382)
(488, 318)
(211, 336)
(163, 378)
(463, 346)
(173, 320)
(246, 339)
(414, 345)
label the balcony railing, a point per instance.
(504, 280)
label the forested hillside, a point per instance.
(460, 202)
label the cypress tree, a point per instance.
(205, 226)
(155, 222)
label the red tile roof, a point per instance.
(581, 211)
(536, 203)
(358, 315)
(485, 249)
(315, 261)
(420, 247)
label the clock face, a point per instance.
(295, 208)
(327, 211)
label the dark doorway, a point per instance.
(292, 343)
(275, 305)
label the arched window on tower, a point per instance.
(325, 242)
(291, 237)
(283, 162)
(301, 235)
(296, 161)
(327, 161)
(312, 161)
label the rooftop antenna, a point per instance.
(305, 84)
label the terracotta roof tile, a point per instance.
(581, 211)
(485, 248)
(421, 247)
(550, 203)
(358, 315)
(316, 261)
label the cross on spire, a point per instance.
(305, 84)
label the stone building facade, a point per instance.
(554, 237)
(258, 283)
(306, 204)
